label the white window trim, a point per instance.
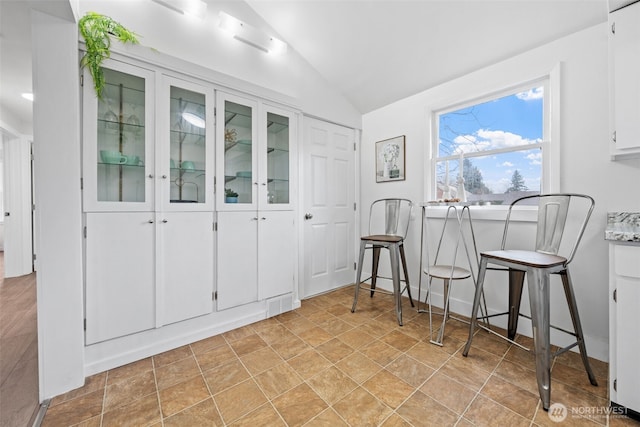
(550, 146)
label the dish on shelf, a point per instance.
(243, 174)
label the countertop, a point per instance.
(623, 227)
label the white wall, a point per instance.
(585, 166)
(202, 42)
(58, 225)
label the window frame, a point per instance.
(550, 145)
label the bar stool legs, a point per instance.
(397, 255)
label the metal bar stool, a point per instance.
(538, 265)
(388, 226)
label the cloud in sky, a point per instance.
(531, 94)
(535, 158)
(507, 164)
(484, 139)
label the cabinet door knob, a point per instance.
(164, 176)
(308, 216)
(150, 176)
(255, 218)
(263, 218)
(164, 221)
(150, 221)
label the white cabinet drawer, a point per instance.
(627, 260)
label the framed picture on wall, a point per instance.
(390, 159)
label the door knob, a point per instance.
(308, 216)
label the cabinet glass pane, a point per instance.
(187, 147)
(277, 159)
(238, 167)
(121, 136)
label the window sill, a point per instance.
(487, 213)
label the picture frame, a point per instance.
(390, 159)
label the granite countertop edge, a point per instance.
(623, 227)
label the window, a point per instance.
(498, 145)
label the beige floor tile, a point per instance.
(488, 342)
(261, 360)
(399, 340)
(239, 400)
(247, 344)
(225, 376)
(315, 336)
(361, 408)
(336, 326)
(130, 370)
(395, 420)
(356, 337)
(380, 352)
(448, 392)
(122, 392)
(177, 372)
(358, 367)
(485, 412)
(141, 412)
(519, 400)
(277, 380)
(215, 357)
(203, 414)
(334, 350)
(429, 354)
(207, 344)
(421, 410)
(309, 363)
(328, 417)
(178, 397)
(461, 370)
(238, 333)
(274, 333)
(517, 374)
(577, 377)
(263, 416)
(332, 384)
(290, 347)
(75, 410)
(388, 388)
(299, 405)
(410, 370)
(298, 325)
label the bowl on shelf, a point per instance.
(133, 160)
(243, 174)
(187, 165)
(112, 157)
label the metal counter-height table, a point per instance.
(454, 215)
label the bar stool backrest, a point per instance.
(390, 217)
(553, 210)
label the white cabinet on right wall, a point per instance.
(624, 54)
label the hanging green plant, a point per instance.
(97, 31)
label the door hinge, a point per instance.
(214, 295)
(81, 184)
(84, 231)
(613, 28)
(355, 266)
(354, 206)
(615, 295)
(81, 80)
(215, 226)
(613, 137)
(354, 147)
(33, 207)
(33, 257)
(615, 384)
(85, 324)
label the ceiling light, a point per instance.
(28, 95)
(251, 35)
(188, 7)
(197, 121)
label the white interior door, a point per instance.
(329, 207)
(18, 259)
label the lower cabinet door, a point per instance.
(237, 266)
(185, 270)
(120, 285)
(276, 253)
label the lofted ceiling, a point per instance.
(374, 52)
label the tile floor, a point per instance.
(322, 365)
(18, 349)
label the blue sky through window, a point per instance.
(513, 121)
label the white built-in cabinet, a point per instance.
(624, 54)
(162, 242)
(255, 221)
(624, 318)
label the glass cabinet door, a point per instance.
(186, 163)
(118, 129)
(239, 157)
(277, 155)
